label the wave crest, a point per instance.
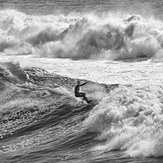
(106, 36)
(129, 119)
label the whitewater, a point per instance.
(117, 47)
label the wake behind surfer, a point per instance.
(80, 94)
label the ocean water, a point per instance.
(46, 46)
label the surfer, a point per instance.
(80, 94)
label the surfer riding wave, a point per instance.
(80, 94)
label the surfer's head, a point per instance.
(78, 82)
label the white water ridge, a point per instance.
(106, 36)
(130, 119)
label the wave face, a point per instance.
(42, 121)
(81, 36)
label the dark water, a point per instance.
(67, 6)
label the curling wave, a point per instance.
(33, 99)
(38, 108)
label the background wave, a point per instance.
(80, 36)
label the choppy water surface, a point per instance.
(116, 46)
(42, 121)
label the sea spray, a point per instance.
(130, 119)
(88, 36)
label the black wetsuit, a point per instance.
(80, 94)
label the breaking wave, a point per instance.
(39, 108)
(77, 36)
(129, 119)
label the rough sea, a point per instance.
(46, 46)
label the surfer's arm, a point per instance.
(84, 83)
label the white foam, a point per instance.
(104, 36)
(130, 119)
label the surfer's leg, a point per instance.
(84, 97)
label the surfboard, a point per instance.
(80, 103)
(92, 102)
